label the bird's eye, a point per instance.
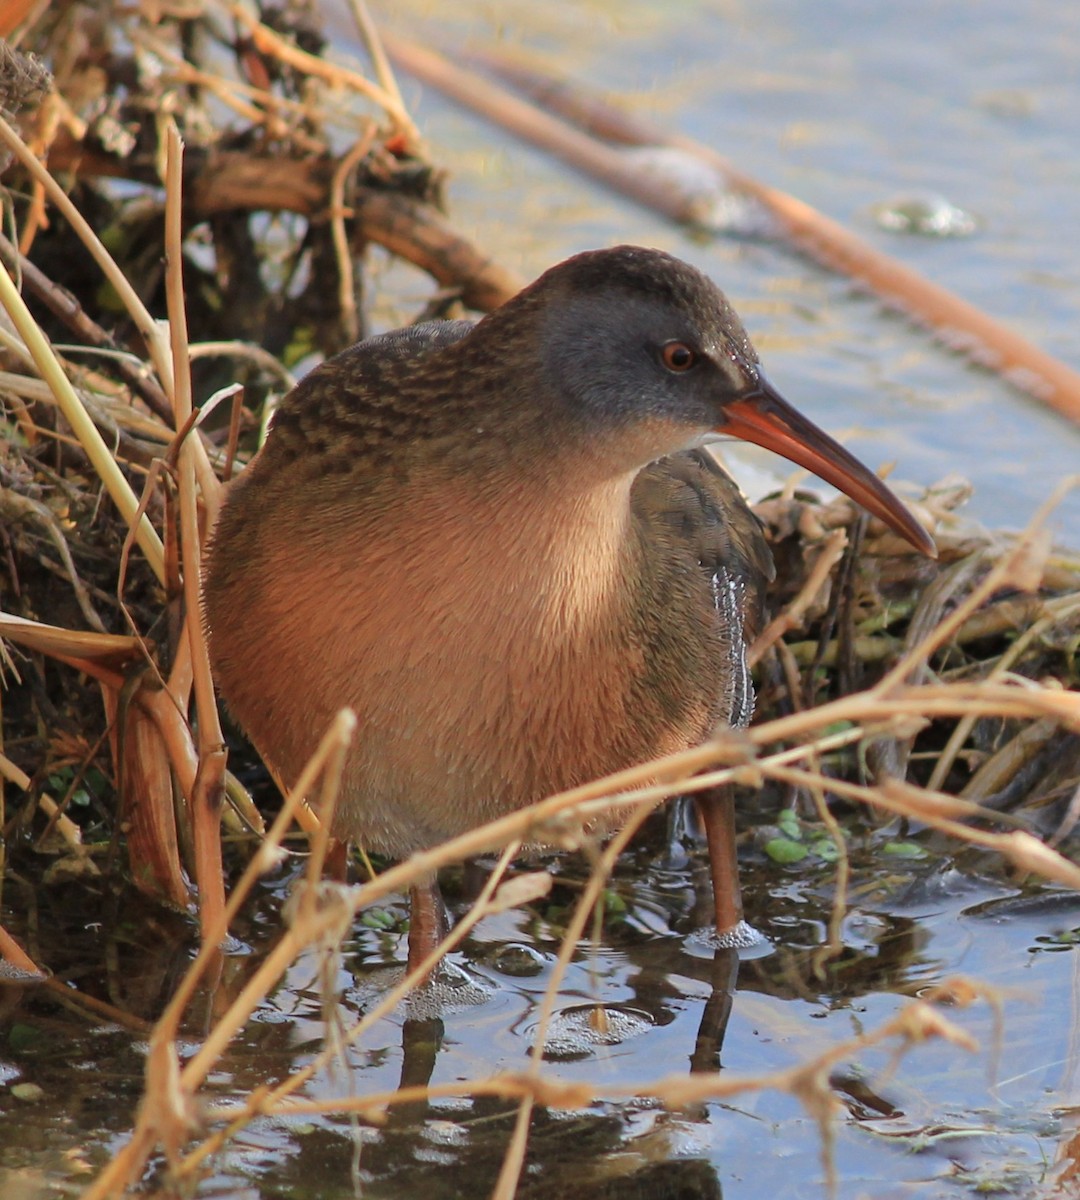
(678, 356)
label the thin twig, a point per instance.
(828, 556)
(350, 319)
(272, 43)
(373, 44)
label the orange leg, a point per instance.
(717, 808)
(429, 921)
(336, 864)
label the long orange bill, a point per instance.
(764, 417)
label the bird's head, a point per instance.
(629, 337)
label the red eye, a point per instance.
(678, 356)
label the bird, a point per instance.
(504, 545)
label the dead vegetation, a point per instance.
(201, 169)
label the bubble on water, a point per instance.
(703, 191)
(926, 214)
(271, 1016)
(518, 960)
(10, 973)
(742, 938)
(578, 1032)
(444, 1133)
(1030, 381)
(451, 989)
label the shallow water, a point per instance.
(846, 106)
(941, 1122)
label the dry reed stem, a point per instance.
(833, 946)
(76, 649)
(558, 816)
(47, 125)
(111, 649)
(145, 796)
(245, 350)
(105, 410)
(79, 420)
(271, 1101)
(230, 91)
(964, 726)
(1021, 566)
(13, 505)
(805, 1081)
(154, 337)
(993, 620)
(492, 898)
(373, 44)
(533, 124)
(1019, 847)
(82, 1003)
(14, 774)
(962, 327)
(207, 790)
(326, 757)
(514, 1159)
(273, 44)
(159, 1122)
(15, 956)
(350, 318)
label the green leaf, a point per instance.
(23, 1037)
(789, 824)
(784, 850)
(825, 848)
(378, 918)
(904, 849)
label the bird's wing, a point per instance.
(696, 506)
(414, 341)
(351, 404)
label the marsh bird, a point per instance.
(499, 545)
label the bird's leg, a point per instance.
(717, 808)
(429, 922)
(336, 863)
